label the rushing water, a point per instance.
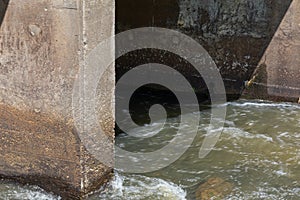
(258, 153)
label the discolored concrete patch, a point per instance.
(45, 150)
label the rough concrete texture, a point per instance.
(278, 74)
(234, 32)
(42, 45)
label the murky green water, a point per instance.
(258, 152)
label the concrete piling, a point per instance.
(42, 46)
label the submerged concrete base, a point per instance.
(43, 44)
(277, 77)
(46, 151)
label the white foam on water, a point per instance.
(234, 132)
(268, 193)
(16, 192)
(260, 104)
(135, 187)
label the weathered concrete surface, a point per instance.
(278, 74)
(235, 33)
(42, 45)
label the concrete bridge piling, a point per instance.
(277, 76)
(42, 46)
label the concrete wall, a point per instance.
(234, 32)
(42, 45)
(278, 74)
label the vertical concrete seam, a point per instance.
(82, 57)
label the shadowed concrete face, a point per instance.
(3, 7)
(41, 45)
(235, 33)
